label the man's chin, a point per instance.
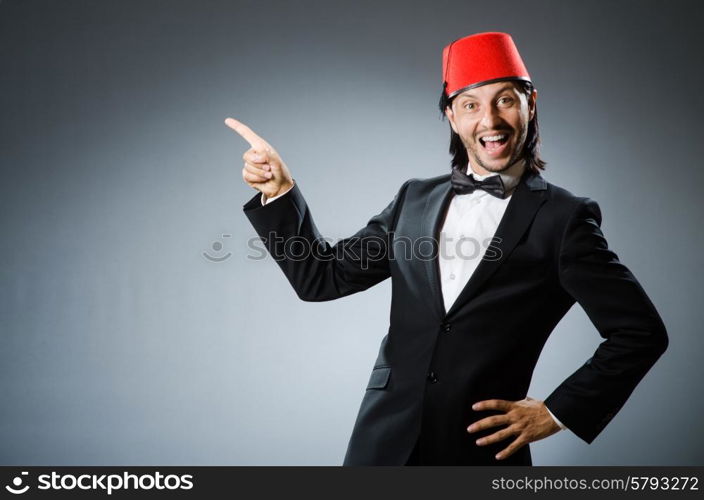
(495, 165)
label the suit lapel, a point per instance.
(433, 216)
(528, 196)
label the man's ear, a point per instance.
(531, 103)
(451, 118)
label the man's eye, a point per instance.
(505, 100)
(469, 105)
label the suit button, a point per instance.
(432, 378)
(446, 327)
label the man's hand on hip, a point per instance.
(528, 419)
(263, 169)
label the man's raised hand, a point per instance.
(263, 169)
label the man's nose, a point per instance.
(490, 118)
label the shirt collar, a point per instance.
(510, 177)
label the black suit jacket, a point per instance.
(547, 253)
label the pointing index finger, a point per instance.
(253, 139)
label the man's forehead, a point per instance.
(490, 89)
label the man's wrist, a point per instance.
(560, 424)
(287, 187)
(284, 189)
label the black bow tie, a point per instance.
(463, 183)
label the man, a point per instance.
(450, 383)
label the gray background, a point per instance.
(123, 344)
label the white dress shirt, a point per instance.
(469, 226)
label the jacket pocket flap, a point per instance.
(379, 378)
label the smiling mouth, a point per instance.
(494, 144)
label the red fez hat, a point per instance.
(480, 59)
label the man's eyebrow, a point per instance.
(470, 96)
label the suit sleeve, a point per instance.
(635, 336)
(316, 270)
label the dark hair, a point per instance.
(530, 149)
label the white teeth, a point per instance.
(494, 137)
